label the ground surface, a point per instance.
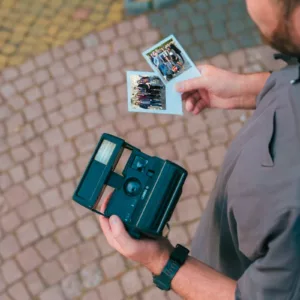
(54, 107)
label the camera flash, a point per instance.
(105, 152)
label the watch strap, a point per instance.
(177, 259)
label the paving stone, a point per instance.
(67, 237)
(90, 40)
(70, 260)
(50, 158)
(73, 128)
(237, 58)
(30, 209)
(53, 292)
(71, 286)
(154, 293)
(157, 136)
(53, 137)
(47, 248)
(40, 125)
(10, 271)
(10, 221)
(20, 154)
(49, 88)
(35, 185)
(10, 73)
(212, 48)
(9, 246)
(51, 272)
(41, 76)
(68, 170)
(29, 259)
(16, 102)
(51, 198)
(202, 35)
(18, 292)
(197, 162)
(88, 252)
(127, 281)
(188, 210)
(45, 224)
(17, 174)
(5, 297)
(16, 195)
(108, 34)
(191, 187)
(91, 276)
(83, 72)
(216, 155)
(63, 216)
(5, 112)
(113, 265)
(91, 295)
(111, 290)
(67, 189)
(7, 90)
(141, 22)
(219, 135)
(34, 283)
(88, 227)
(103, 245)
(208, 179)
(229, 45)
(23, 83)
(27, 234)
(5, 181)
(178, 235)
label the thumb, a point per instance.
(119, 231)
(191, 84)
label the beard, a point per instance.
(283, 41)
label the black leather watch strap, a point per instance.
(177, 259)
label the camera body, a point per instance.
(145, 193)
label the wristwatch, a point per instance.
(177, 259)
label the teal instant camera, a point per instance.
(145, 192)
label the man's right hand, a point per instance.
(218, 88)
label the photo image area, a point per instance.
(147, 92)
(169, 59)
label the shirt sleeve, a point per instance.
(276, 274)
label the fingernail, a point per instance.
(179, 87)
(113, 220)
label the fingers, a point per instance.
(200, 105)
(191, 101)
(105, 202)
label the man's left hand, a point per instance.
(153, 254)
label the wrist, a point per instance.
(252, 84)
(160, 260)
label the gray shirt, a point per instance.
(250, 230)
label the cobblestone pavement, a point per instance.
(53, 108)
(31, 27)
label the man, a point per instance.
(177, 50)
(247, 246)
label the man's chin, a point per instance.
(282, 44)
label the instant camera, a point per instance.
(145, 192)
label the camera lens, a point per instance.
(132, 187)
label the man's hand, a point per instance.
(218, 88)
(153, 254)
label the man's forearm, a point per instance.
(251, 86)
(195, 280)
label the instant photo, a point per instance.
(168, 59)
(147, 93)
